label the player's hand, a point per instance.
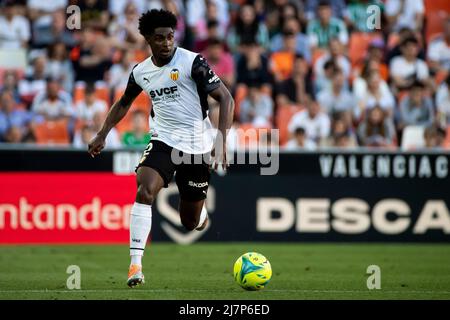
(96, 145)
(219, 162)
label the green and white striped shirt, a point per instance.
(319, 35)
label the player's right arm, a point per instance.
(118, 110)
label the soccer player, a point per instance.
(178, 82)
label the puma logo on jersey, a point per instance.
(163, 91)
(146, 80)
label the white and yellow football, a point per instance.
(252, 271)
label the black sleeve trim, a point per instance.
(203, 75)
(133, 89)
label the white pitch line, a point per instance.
(219, 291)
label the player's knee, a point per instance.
(189, 223)
(145, 195)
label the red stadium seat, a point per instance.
(142, 102)
(283, 116)
(447, 138)
(101, 92)
(249, 136)
(52, 132)
(359, 42)
(434, 5)
(435, 23)
(239, 96)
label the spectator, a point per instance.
(247, 29)
(59, 65)
(40, 11)
(370, 66)
(403, 34)
(119, 72)
(177, 8)
(195, 21)
(124, 31)
(257, 108)
(337, 98)
(377, 130)
(14, 28)
(277, 11)
(315, 122)
(14, 122)
(218, 10)
(408, 68)
(443, 103)
(87, 108)
(434, 137)
(439, 51)
(342, 132)
(220, 61)
(405, 13)
(323, 81)
(34, 81)
(112, 140)
(11, 83)
(92, 59)
(94, 14)
(83, 136)
(117, 7)
(336, 54)
(53, 103)
(356, 15)
(337, 7)
(300, 141)
(282, 62)
(139, 135)
(45, 35)
(344, 141)
(372, 92)
(213, 33)
(295, 89)
(374, 60)
(326, 27)
(292, 25)
(252, 66)
(415, 108)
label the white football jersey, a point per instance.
(179, 91)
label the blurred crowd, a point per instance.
(345, 74)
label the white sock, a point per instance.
(140, 226)
(136, 259)
(203, 216)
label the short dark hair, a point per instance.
(214, 42)
(417, 84)
(90, 88)
(154, 18)
(323, 3)
(212, 24)
(299, 130)
(408, 40)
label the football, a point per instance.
(252, 271)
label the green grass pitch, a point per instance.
(204, 271)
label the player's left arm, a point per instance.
(209, 82)
(226, 105)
